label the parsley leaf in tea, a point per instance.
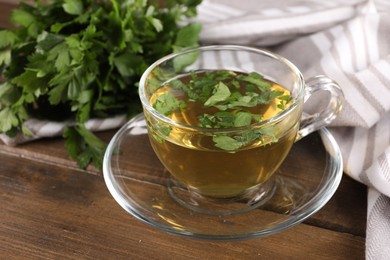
(226, 143)
(256, 79)
(245, 118)
(167, 103)
(222, 93)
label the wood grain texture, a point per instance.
(52, 211)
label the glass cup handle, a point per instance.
(311, 123)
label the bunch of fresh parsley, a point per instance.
(82, 59)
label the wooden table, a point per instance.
(50, 209)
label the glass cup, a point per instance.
(234, 163)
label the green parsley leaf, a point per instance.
(74, 7)
(27, 20)
(186, 37)
(167, 103)
(125, 64)
(221, 93)
(165, 130)
(84, 147)
(182, 61)
(5, 57)
(57, 94)
(30, 81)
(22, 17)
(243, 119)
(224, 119)
(7, 38)
(8, 119)
(72, 141)
(245, 138)
(226, 143)
(177, 84)
(256, 79)
(8, 94)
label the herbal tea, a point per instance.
(241, 154)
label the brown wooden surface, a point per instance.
(50, 209)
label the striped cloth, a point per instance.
(347, 40)
(44, 128)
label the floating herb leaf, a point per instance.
(233, 143)
(245, 119)
(222, 93)
(161, 129)
(256, 79)
(167, 103)
(284, 100)
(227, 143)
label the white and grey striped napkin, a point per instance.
(347, 40)
(40, 128)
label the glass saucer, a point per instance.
(139, 183)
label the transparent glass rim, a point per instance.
(264, 123)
